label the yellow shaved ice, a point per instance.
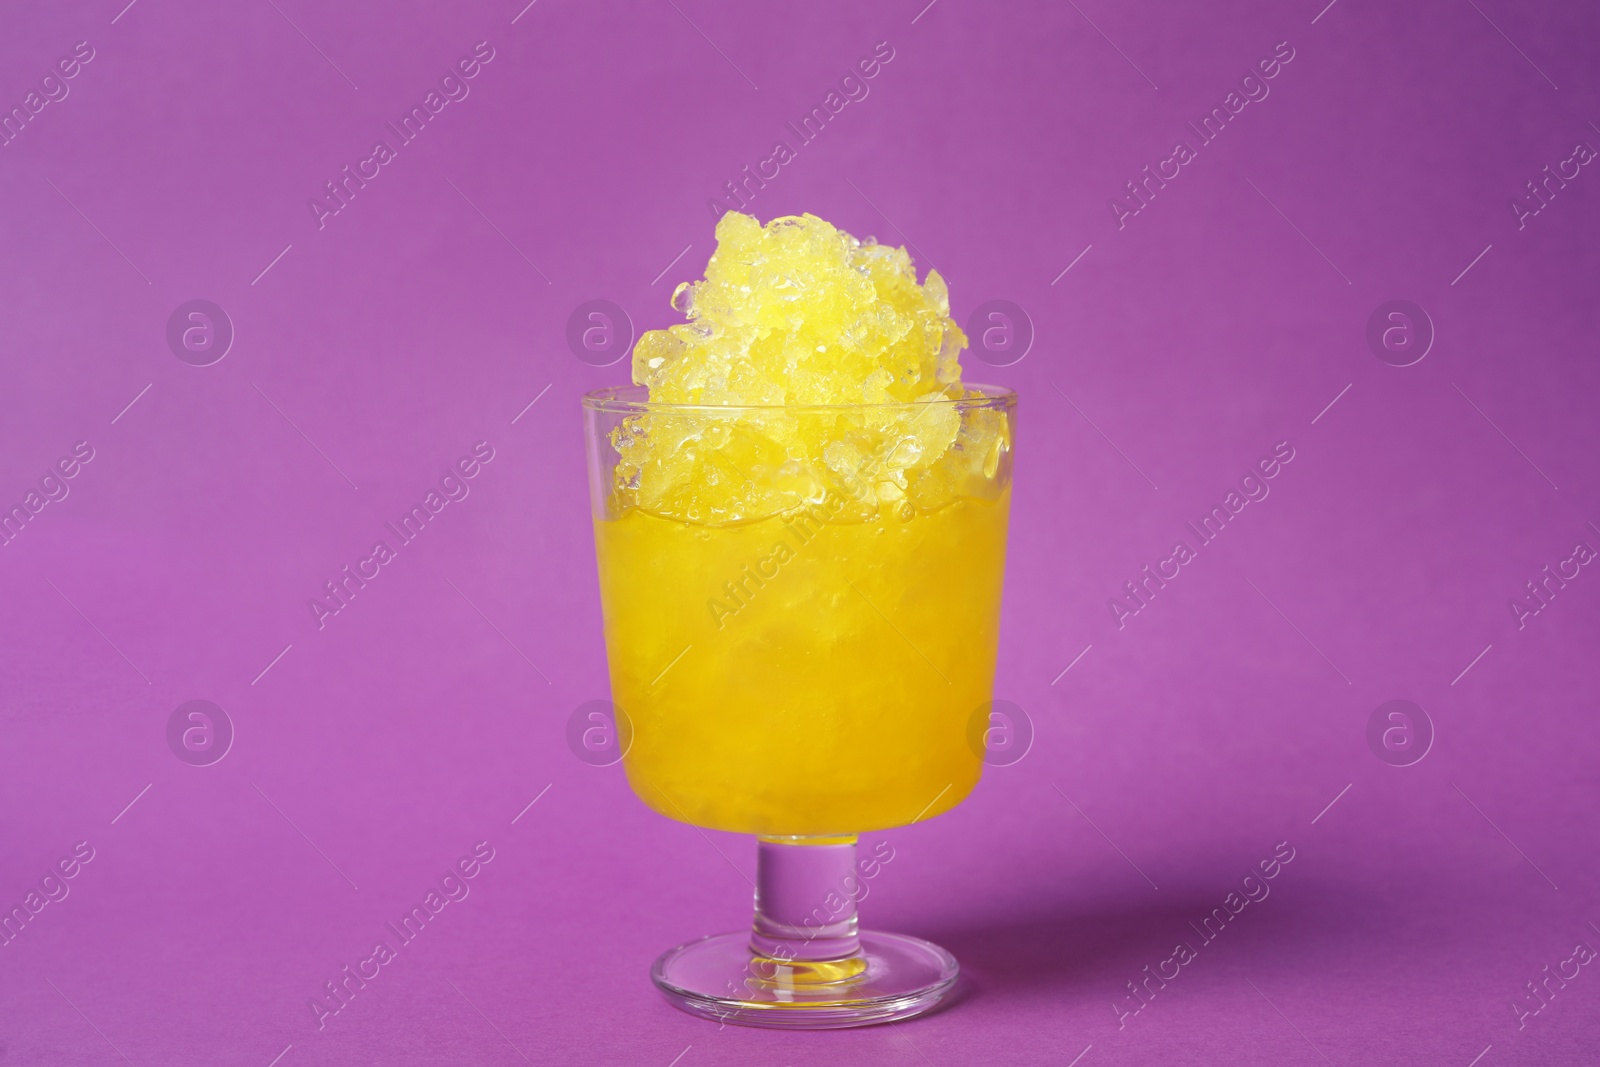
(790, 316)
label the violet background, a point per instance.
(1208, 729)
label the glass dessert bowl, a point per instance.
(801, 605)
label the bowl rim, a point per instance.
(633, 399)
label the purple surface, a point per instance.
(1223, 718)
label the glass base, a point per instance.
(893, 977)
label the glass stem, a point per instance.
(806, 889)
